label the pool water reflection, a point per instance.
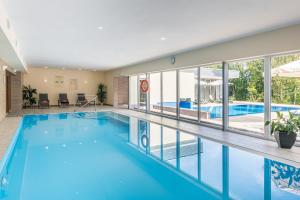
(111, 156)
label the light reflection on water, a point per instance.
(110, 156)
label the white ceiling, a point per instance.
(63, 33)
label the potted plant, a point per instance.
(285, 130)
(101, 93)
(29, 97)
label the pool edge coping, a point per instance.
(227, 143)
(9, 150)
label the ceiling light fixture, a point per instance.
(163, 38)
(100, 28)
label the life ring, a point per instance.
(144, 141)
(144, 86)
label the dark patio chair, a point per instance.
(43, 100)
(63, 100)
(81, 100)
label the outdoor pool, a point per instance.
(105, 155)
(236, 109)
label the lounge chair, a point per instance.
(63, 100)
(81, 100)
(43, 100)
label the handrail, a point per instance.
(87, 103)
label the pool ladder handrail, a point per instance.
(87, 103)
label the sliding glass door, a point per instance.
(211, 94)
(133, 92)
(142, 94)
(169, 104)
(246, 95)
(155, 92)
(285, 84)
(188, 93)
(257, 89)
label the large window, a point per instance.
(257, 89)
(189, 155)
(155, 92)
(211, 164)
(239, 174)
(285, 84)
(246, 95)
(211, 95)
(133, 92)
(169, 137)
(188, 93)
(142, 94)
(155, 140)
(169, 92)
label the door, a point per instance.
(8, 91)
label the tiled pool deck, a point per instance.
(259, 146)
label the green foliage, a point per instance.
(29, 95)
(250, 84)
(285, 90)
(285, 125)
(102, 93)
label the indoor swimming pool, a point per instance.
(106, 155)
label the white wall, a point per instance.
(281, 40)
(9, 48)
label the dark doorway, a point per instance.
(8, 91)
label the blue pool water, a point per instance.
(236, 110)
(110, 156)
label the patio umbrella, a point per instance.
(203, 83)
(216, 83)
(291, 69)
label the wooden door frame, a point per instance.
(8, 76)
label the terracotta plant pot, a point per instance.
(284, 140)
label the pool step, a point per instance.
(89, 116)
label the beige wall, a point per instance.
(281, 40)
(43, 80)
(2, 92)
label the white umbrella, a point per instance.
(291, 69)
(203, 83)
(216, 83)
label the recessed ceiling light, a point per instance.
(100, 28)
(163, 38)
